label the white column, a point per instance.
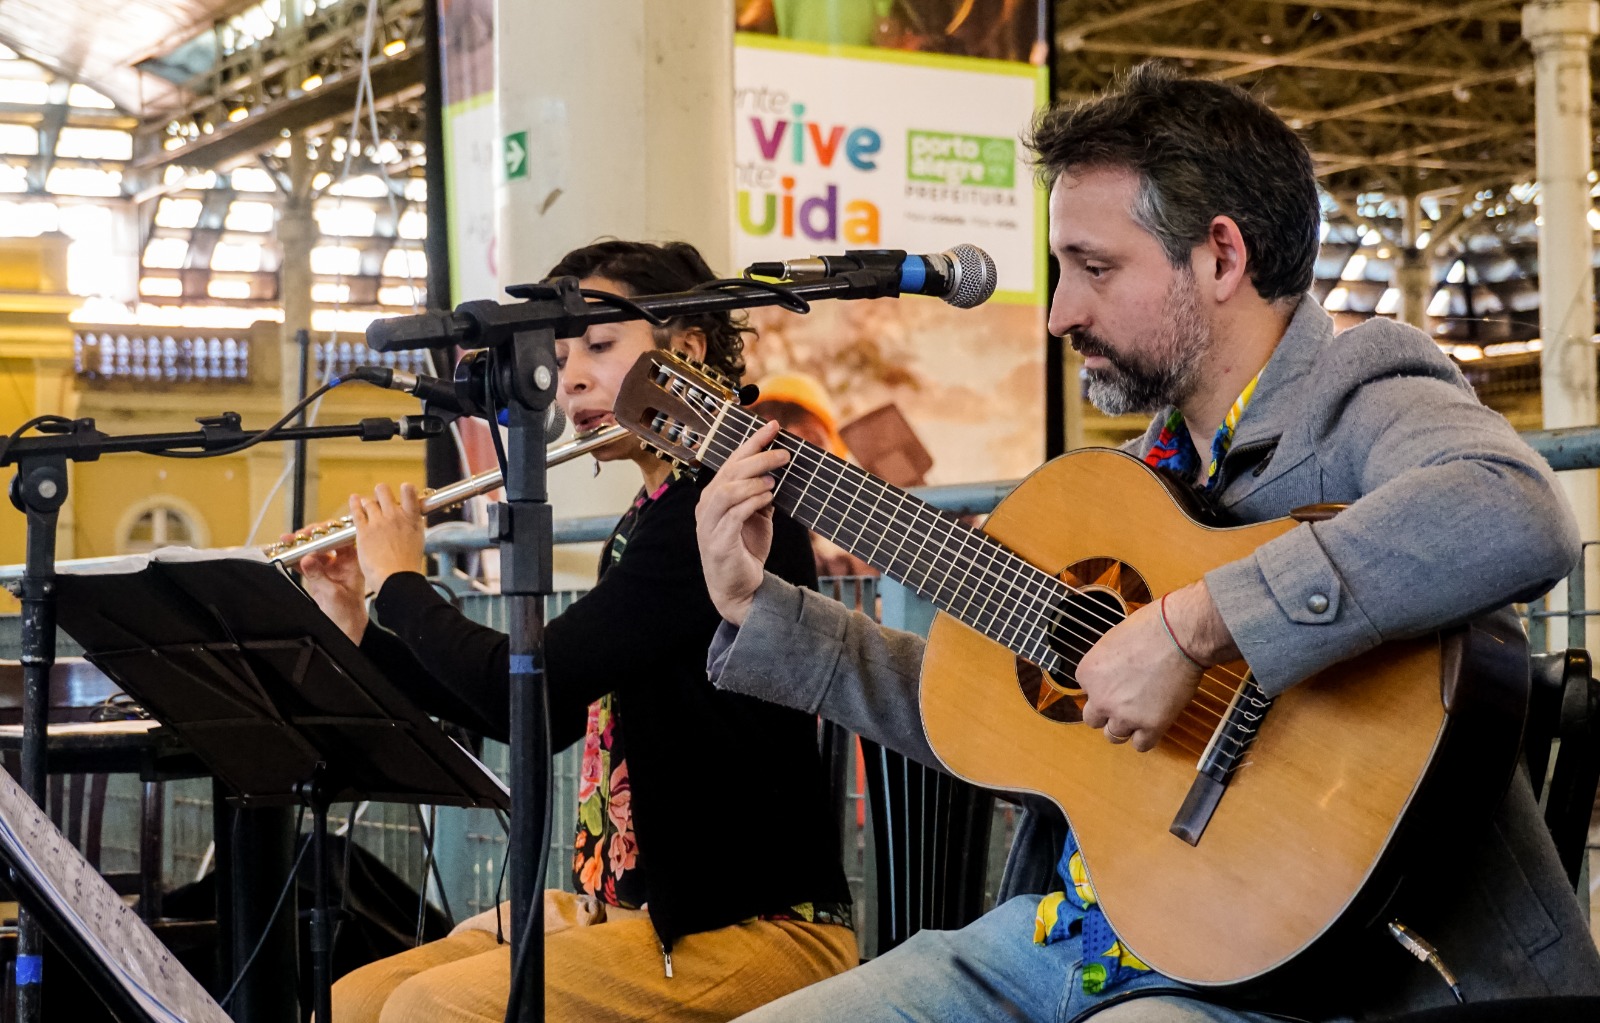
(628, 110)
(1412, 274)
(627, 106)
(1562, 34)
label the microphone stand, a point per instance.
(38, 490)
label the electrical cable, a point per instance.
(626, 304)
(790, 301)
(349, 832)
(494, 429)
(37, 421)
(500, 891)
(288, 885)
(519, 969)
(428, 868)
(252, 441)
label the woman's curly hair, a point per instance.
(645, 268)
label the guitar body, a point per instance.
(1302, 825)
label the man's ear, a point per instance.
(1222, 259)
(690, 343)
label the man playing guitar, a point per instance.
(1184, 217)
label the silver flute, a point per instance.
(339, 533)
(342, 531)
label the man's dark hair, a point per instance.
(645, 268)
(1201, 149)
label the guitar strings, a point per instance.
(1209, 720)
(804, 457)
(814, 461)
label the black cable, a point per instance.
(438, 877)
(493, 420)
(288, 885)
(427, 867)
(500, 891)
(344, 894)
(518, 967)
(790, 301)
(252, 441)
(627, 305)
(37, 421)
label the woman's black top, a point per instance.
(729, 800)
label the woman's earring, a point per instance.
(596, 468)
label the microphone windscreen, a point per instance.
(555, 423)
(975, 276)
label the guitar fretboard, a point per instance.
(958, 568)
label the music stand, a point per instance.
(231, 655)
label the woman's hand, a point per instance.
(388, 532)
(334, 580)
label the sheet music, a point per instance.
(62, 729)
(83, 899)
(122, 564)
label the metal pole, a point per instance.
(441, 464)
(297, 232)
(38, 655)
(297, 516)
(1561, 33)
(527, 580)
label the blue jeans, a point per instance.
(988, 970)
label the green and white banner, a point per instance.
(858, 147)
(849, 147)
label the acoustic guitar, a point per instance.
(1257, 824)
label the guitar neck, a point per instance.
(958, 568)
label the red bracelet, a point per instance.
(1168, 627)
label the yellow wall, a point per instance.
(35, 358)
(226, 493)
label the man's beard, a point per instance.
(1166, 375)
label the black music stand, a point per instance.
(234, 658)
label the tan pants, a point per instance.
(598, 972)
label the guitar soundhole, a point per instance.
(1107, 590)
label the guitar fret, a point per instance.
(957, 567)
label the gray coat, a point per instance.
(1451, 515)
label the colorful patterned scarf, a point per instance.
(1062, 914)
(1174, 449)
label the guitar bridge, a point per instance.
(1222, 757)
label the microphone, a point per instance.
(963, 276)
(442, 394)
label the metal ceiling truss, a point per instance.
(303, 78)
(1400, 102)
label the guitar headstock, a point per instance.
(672, 403)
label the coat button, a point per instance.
(1317, 603)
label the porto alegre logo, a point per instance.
(960, 161)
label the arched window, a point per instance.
(160, 522)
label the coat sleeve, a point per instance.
(800, 649)
(649, 608)
(1450, 515)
